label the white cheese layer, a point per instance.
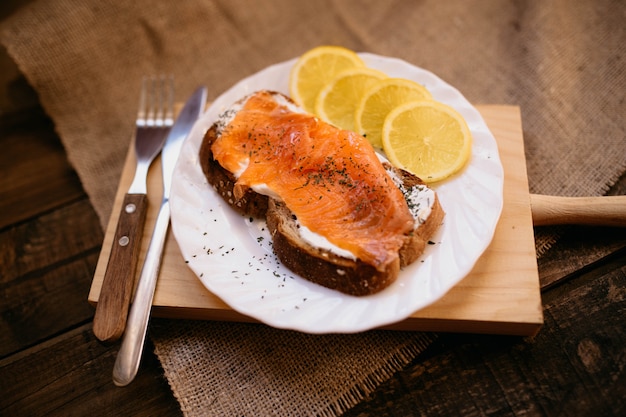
(419, 198)
(318, 241)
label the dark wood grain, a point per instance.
(573, 367)
(50, 238)
(52, 364)
(70, 375)
(32, 148)
(581, 247)
(117, 286)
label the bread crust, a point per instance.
(321, 266)
(251, 203)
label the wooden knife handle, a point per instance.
(117, 286)
(592, 211)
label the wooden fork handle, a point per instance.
(593, 211)
(117, 286)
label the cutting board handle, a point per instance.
(592, 211)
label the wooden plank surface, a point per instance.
(501, 295)
(70, 375)
(49, 172)
(573, 367)
(50, 240)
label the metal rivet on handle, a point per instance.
(130, 208)
(124, 240)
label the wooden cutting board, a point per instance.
(500, 296)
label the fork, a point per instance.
(154, 119)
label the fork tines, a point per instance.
(156, 102)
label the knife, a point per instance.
(117, 285)
(129, 355)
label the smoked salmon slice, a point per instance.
(330, 179)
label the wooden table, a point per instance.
(51, 364)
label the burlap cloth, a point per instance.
(561, 61)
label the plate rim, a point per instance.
(245, 84)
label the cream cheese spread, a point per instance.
(419, 198)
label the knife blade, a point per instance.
(131, 349)
(153, 125)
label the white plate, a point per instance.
(233, 257)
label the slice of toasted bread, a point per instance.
(322, 266)
(340, 273)
(325, 266)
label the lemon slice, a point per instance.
(316, 68)
(382, 97)
(337, 101)
(427, 138)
